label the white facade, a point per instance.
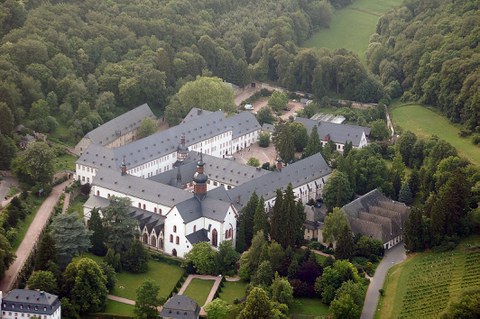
(27, 308)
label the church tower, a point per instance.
(200, 180)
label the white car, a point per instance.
(248, 107)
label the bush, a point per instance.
(264, 139)
(476, 139)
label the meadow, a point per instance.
(425, 284)
(352, 26)
(425, 122)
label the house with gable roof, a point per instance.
(337, 133)
(25, 303)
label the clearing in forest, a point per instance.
(425, 122)
(424, 285)
(352, 26)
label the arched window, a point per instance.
(145, 239)
(227, 233)
(214, 238)
(160, 243)
(194, 228)
(171, 238)
(98, 193)
(174, 253)
(174, 229)
(153, 241)
(155, 209)
(143, 206)
(177, 240)
(139, 205)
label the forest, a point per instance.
(428, 51)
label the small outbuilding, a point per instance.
(180, 307)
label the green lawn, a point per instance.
(352, 26)
(424, 122)
(424, 285)
(198, 290)
(23, 225)
(164, 275)
(65, 162)
(77, 205)
(308, 308)
(118, 308)
(232, 290)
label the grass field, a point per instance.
(118, 308)
(425, 284)
(232, 290)
(425, 122)
(352, 26)
(307, 308)
(198, 290)
(164, 275)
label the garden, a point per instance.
(425, 285)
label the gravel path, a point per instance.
(31, 237)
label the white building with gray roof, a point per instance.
(180, 196)
(337, 133)
(120, 131)
(25, 303)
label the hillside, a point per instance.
(428, 51)
(352, 26)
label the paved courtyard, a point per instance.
(262, 154)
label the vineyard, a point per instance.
(424, 286)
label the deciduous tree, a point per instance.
(44, 281)
(147, 301)
(337, 191)
(35, 164)
(203, 258)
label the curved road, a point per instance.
(392, 257)
(31, 237)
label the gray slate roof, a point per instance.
(339, 133)
(163, 143)
(180, 307)
(377, 216)
(298, 173)
(148, 219)
(195, 113)
(129, 121)
(210, 207)
(139, 187)
(198, 236)
(220, 169)
(35, 300)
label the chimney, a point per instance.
(124, 167)
(199, 111)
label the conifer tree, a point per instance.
(345, 244)
(405, 195)
(260, 220)
(248, 213)
(46, 252)
(98, 234)
(314, 145)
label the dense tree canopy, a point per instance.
(436, 65)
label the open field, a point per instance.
(198, 290)
(352, 26)
(308, 308)
(127, 283)
(424, 122)
(232, 290)
(118, 308)
(424, 285)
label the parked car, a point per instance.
(248, 107)
(318, 202)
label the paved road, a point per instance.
(392, 257)
(31, 236)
